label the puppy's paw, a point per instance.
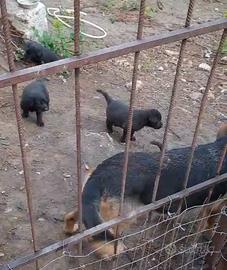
(24, 114)
(40, 124)
(123, 140)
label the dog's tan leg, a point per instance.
(70, 225)
(109, 209)
(70, 219)
(105, 250)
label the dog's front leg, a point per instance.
(123, 138)
(109, 126)
(39, 119)
(133, 138)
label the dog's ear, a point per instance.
(222, 131)
(70, 225)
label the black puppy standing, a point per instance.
(35, 98)
(117, 115)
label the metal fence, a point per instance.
(14, 77)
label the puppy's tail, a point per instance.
(106, 96)
(160, 146)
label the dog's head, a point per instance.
(154, 119)
(32, 50)
(42, 105)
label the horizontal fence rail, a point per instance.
(106, 225)
(27, 74)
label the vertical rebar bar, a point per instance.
(77, 113)
(131, 104)
(20, 126)
(172, 99)
(218, 242)
(130, 114)
(201, 110)
(172, 104)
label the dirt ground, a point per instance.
(52, 148)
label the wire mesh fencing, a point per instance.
(172, 241)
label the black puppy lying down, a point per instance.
(117, 115)
(38, 54)
(101, 192)
(35, 98)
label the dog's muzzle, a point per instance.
(159, 125)
(46, 109)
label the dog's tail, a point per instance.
(106, 96)
(160, 146)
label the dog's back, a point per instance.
(116, 111)
(32, 92)
(142, 170)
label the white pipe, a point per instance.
(59, 16)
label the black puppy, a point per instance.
(38, 54)
(35, 98)
(117, 115)
(101, 192)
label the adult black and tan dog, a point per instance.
(35, 98)
(117, 115)
(38, 54)
(101, 192)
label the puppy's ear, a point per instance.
(222, 131)
(70, 225)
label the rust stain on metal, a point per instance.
(172, 99)
(27, 74)
(20, 126)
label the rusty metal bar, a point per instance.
(130, 114)
(202, 107)
(222, 263)
(222, 160)
(217, 244)
(171, 106)
(172, 100)
(19, 76)
(20, 126)
(203, 212)
(131, 104)
(104, 226)
(77, 115)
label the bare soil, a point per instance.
(52, 148)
